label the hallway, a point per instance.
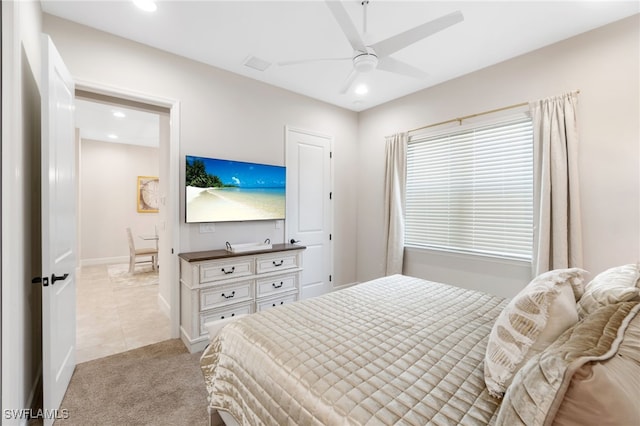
(115, 317)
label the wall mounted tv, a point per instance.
(229, 191)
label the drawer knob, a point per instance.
(233, 293)
(282, 303)
(233, 268)
(277, 286)
(233, 315)
(278, 263)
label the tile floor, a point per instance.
(113, 319)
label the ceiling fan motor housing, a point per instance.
(365, 62)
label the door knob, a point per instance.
(54, 278)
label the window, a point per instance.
(472, 190)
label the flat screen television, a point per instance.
(219, 190)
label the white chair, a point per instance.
(135, 253)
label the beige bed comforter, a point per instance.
(397, 350)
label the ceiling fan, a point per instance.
(368, 57)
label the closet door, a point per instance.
(309, 206)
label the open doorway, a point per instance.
(120, 144)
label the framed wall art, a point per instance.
(148, 194)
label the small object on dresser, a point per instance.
(247, 247)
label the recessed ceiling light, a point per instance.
(362, 89)
(112, 136)
(119, 114)
(146, 5)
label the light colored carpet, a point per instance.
(159, 384)
(143, 275)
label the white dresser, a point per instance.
(218, 284)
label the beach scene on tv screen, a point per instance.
(223, 190)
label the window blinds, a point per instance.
(472, 190)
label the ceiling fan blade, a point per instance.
(342, 17)
(307, 61)
(349, 81)
(400, 41)
(399, 67)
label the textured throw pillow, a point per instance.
(531, 321)
(618, 284)
(562, 315)
(605, 392)
(588, 376)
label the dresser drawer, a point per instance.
(263, 305)
(222, 313)
(213, 271)
(225, 295)
(279, 263)
(275, 285)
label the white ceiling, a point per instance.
(225, 34)
(99, 121)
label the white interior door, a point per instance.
(308, 162)
(58, 228)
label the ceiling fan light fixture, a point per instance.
(365, 62)
(362, 89)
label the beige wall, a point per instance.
(108, 179)
(222, 115)
(21, 254)
(604, 65)
(226, 115)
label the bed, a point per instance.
(395, 350)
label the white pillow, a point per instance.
(617, 284)
(562, 315)
(531, 321)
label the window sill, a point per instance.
(470, 256)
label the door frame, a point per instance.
(287, 234)
(170, 272)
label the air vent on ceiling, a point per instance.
(257, 63)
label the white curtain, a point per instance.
(557, 241)
(394, 198)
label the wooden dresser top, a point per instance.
(199, 256)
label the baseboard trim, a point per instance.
(343, 286)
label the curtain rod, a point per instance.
(466, 117)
